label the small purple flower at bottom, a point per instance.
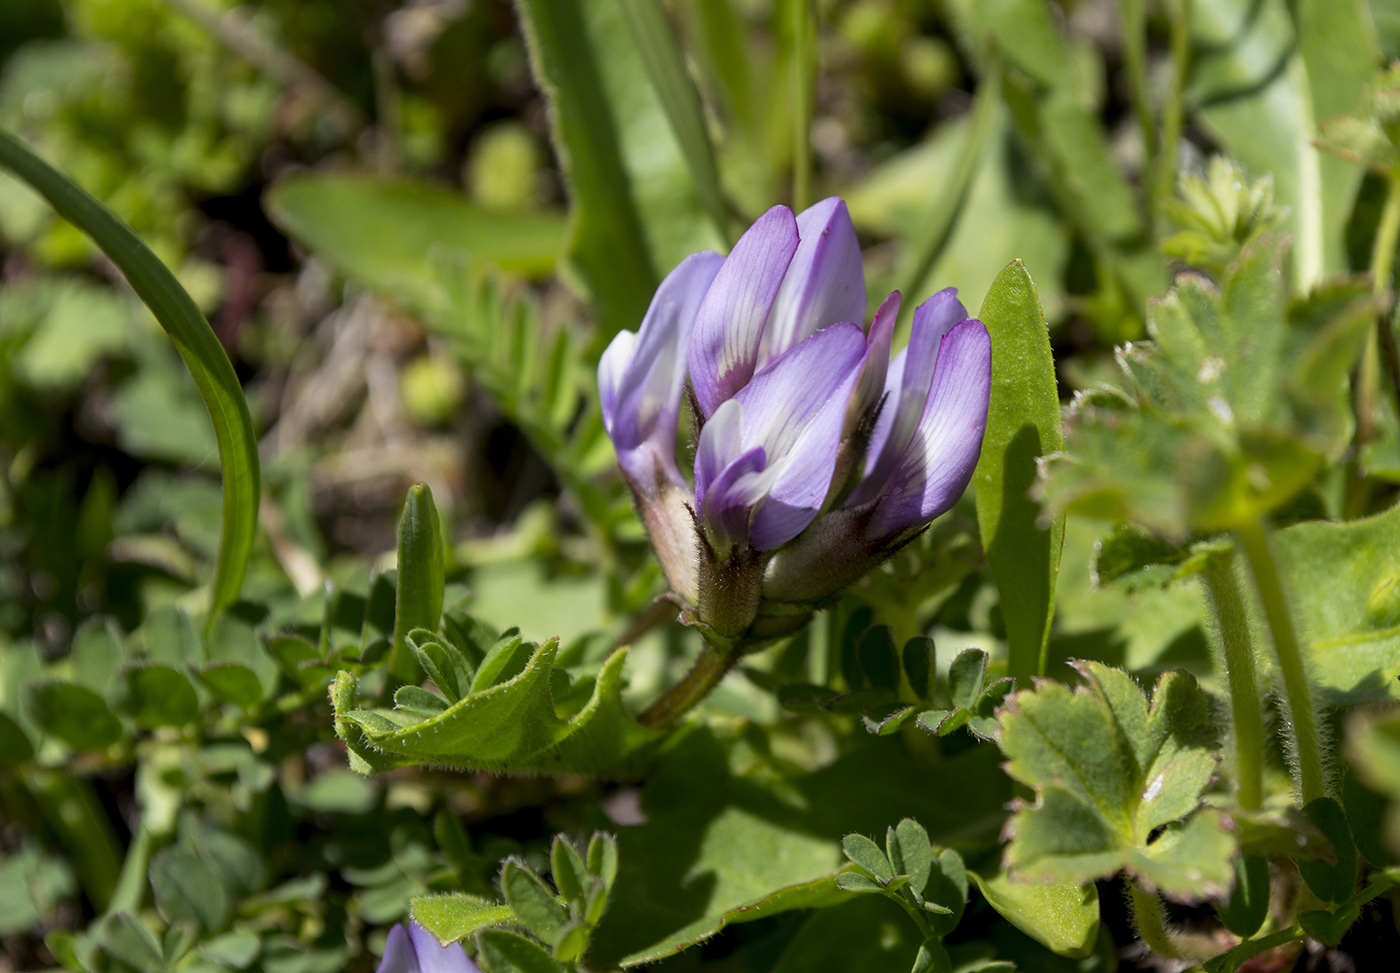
(414, 950)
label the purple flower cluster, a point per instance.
(816, 455)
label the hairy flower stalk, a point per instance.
(816, 455)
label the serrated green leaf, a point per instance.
(456, 916)
(158, 696)
(1108, 771)
(508, 728)
(1062, 916)
(187, 889)
(75, 714)
(1023, 423)
(532, 901)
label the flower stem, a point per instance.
(1232, 625)
(1167, 159)
(704, 676)
(1306, 742)
(1151, 923)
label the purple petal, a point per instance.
(729, 326)
(721, 441)
(824, 284)
(399, 956)
(433, 958)
(641, 378)
(786, 393)
(796, 408)
(731, 496)
(938, 464)
(870, 382)
(932, 320)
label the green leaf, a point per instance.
(196, 342)
(570, 872)
(665, 68)
(863, 934)
(729, 845)
(15, 745)
(520, 954)
(1023, 423)
(1061, 916)
(1109, 771)
(75, 714)
(158, 696)
(867, 855)
(383, 232)
(635, 212)
(187, 889)
(420, 578)
(97, 654)
(1331, 881)
(1244, 912)
(1345, 582)
(508, 728)
(456, 916)
(128, 939)
(1263, 83)
(857, 882)
(910, 853)
(233, 683)
(532, 901)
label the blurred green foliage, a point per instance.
(413, 226)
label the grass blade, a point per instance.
(194, 339)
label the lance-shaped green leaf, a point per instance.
(419, 579)
(384, 233)
(1109, 770)
(511, 727)
(194, 339)
(1023, 424)
(635, 211)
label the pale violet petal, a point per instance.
(939, 462)
(824, 285)
(730, 323)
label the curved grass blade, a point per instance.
(194, 339)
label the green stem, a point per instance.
(704, 676)
(1382, 269)
(1151, 923)
(803, 83)
(1172, 114)
(194, 339)
(1307, 743)
(1132, 15)
(1232, 626)
(131, 883)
